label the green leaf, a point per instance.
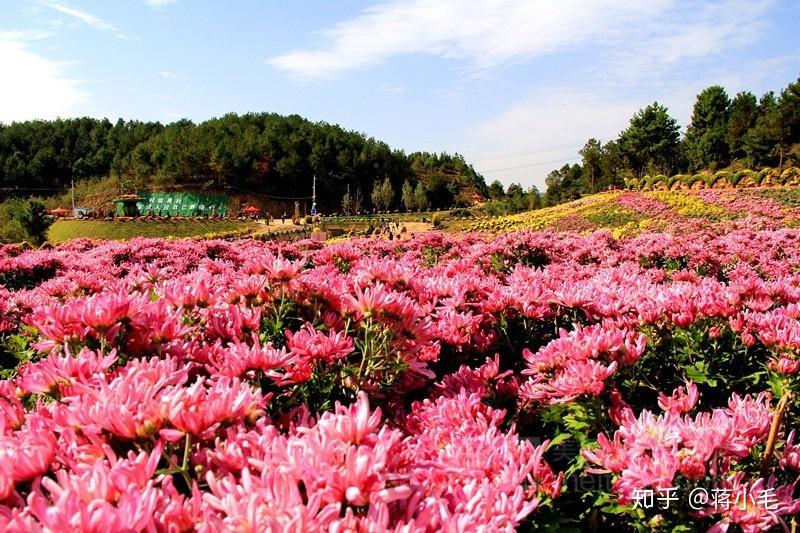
(577, 465)
(615, 508)
(558, 439)
(776, 384)
(699, 373)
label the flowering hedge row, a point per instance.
(533, 380)
(722, 179)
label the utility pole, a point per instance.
(314, 196)
(72, 188)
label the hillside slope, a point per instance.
(628, 212)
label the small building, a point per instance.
(475, 199)
(252, 211)
(59, 212)
(80, 212)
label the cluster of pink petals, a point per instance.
(650, 451)
(578, 363)
(643, 204)
(682, 400)
(315, 345)
(746, 204)
(450, 466)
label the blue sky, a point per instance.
(516, 86)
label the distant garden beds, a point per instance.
(724, 179)
(121, 229)
(377, 217)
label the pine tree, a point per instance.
(742, 117)
(651, 142)
(420, 197)
(706, 136)
(408, 196)
(348, 202)
(592, 155)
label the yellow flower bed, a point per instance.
(547, 217)
(625, 218)
(688, 205)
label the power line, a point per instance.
(528, 165)
(491, 157)
(33, 189)
(61, 189)
(271, 197)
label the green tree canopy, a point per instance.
(261, 153)
(563, 184)
(651, 142)
(23, 220)
(421, 201)
(496, 190)
(591, 158)
(706, 136)
(742, 116)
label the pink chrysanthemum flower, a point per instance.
(318, 346)
(682, 401)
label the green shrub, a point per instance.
(690, 180)
(740, 176)
(23, 219)
(11, 231)
(722, 175)
(461, 212)
(790, 176)
(768, 176)
(672, 180)
(658, 180)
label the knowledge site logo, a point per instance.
(700, 498)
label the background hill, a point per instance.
(266, 155)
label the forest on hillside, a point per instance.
(743, 132)
(258, 153)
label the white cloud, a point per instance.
(87, 18)
(27, 35)
(488, 34)
(34, 87)
(160, 3)
(618, 56)
(547, 128)
(390, 88)
(168, 75)
(544, 132)
(692, 33)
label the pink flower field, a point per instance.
(528, 381)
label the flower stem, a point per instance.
(186, 449)
(777, 418)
